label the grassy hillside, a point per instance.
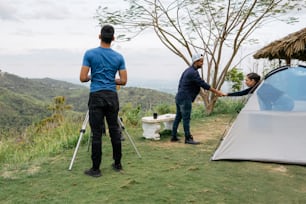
(166, 173)
(145, 98)
(24, 101)
(45, 89)
(19, 110)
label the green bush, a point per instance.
(164, 108)
(131, 115)
(229, 105)
(32, 143)
(198, 111)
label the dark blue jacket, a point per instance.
(189, 85)
(241, 93)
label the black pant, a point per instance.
(104, 104)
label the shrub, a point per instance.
(229, 105)
(131, 115)
(165, 108)
(198, 111)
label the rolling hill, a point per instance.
(24, 101)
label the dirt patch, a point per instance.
(209, 128)
(280, 169)
(12, 173)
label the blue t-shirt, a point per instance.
(104, 64)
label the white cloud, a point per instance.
(47, 38)
(7, 11)
(34, 9)
(43, 63)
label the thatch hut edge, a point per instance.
(293, 46)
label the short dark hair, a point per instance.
(254, 76)
(107, 33)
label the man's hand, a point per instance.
(84, 74)
(220, 93)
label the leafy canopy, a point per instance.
(216, 28)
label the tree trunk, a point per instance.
(209, 100)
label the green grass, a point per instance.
(166, 173)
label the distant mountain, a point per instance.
(45, 89)
(24, 101)
(167, 86)
(19, 110)
(145, 98)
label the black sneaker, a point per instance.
(93, 173)
(175, 139)
(117, 167)
(191, 141)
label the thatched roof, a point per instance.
(293, 46)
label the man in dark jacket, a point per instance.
(188, 89)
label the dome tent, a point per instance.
(271, 126)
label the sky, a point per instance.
(47, 38)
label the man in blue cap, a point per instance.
(188, 89)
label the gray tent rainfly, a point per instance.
(271, 127)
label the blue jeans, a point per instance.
(104, 104)
(183, 111)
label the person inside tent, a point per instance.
(270, 98)
(252, 80)
(273, 99)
